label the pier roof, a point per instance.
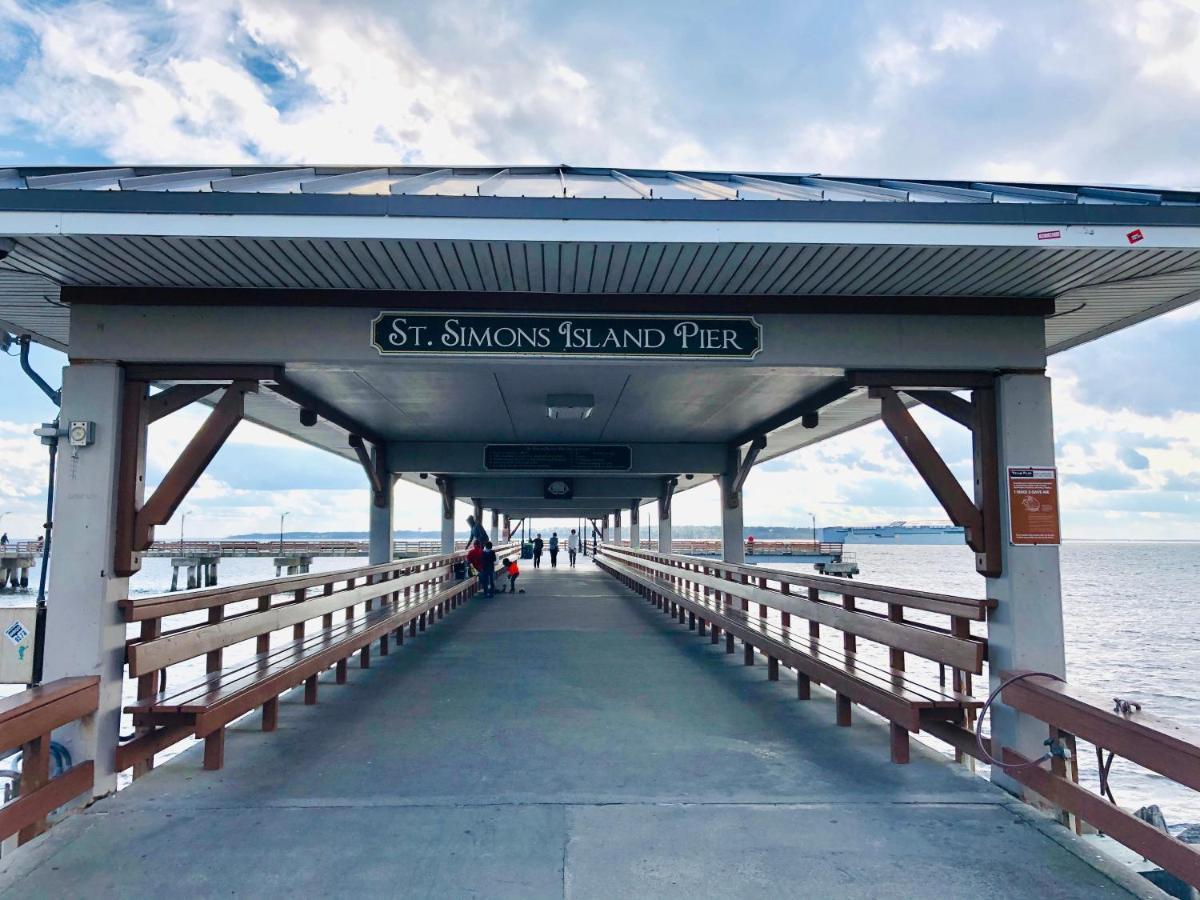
(1085, 260)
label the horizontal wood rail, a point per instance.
(1163, 747)
(719, 596)
(27, 720)
(331, 616)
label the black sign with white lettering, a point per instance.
(557, 458)
(531, 334)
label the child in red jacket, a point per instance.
(513, 572)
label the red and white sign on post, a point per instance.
(1033, 505)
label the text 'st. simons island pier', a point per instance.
(708, 337)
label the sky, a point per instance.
(1094, 91)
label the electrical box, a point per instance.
(81, 434)
(17, 624)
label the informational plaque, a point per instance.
(558, 458)
(566, 335)
(1033, 505)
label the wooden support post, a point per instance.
(400, 636)
(147, 686)
(35, 773)
(701, 627)
(310, 690)
(715, 634)
(412, 627)
(896, 657)
(364, 657)
(213, 659)
(340, 672)
(849, 644)
(803, 687)
(421, 621)
(899, 743)
(691, 621)
(748, 654)
(814, 628)
(843, 710)
(270, 714)
(729, 648)
(214, 750)
(772, 669)
(383, 646)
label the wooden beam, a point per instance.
(209, 372)
(902, 380)
(948, 404)
(364, 460)
(192, 462)
(285, 387)
(986, 454)
(445, 486)
(131, 477)
(931, 467)
(176, 398)
(664, 498)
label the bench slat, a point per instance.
(180, 645)
(966, 654)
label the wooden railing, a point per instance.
(1125, 731)
(297, 547)
(281, 603)
(711, 547)
(27, 720)
(881, 621)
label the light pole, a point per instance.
(281, 518)
(814, 524)
(182, 519)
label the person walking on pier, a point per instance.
(572, 547)
(554, 550)
(487, 571)
(538, 544)
(4, 539)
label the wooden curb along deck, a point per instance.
(411, 594)
(702, 594)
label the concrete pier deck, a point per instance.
(570, 741)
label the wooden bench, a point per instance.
(376, 604)
(716, 597)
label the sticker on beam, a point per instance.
(566, 335)
(558, 458)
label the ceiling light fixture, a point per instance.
(569, 406)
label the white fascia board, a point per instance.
(89, 224)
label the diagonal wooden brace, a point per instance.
(931, 467)
(373, 464)
(445, 486)
(176, 398)
(192, 462)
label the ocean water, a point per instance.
(1132, 620)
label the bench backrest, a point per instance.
(282, 602)
(872, 612)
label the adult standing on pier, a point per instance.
(554, 550)
(572, 547)
(475, 532)
(538, 545)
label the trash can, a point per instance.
(460, 571)
(527, 550)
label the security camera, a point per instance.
(7, 246)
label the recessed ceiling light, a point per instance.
(569, 406)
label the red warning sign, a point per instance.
(1033, 505)
(1049, 235)
(1134, 236)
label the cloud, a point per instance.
(1133, 459)
(1103, 480)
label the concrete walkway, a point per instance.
(570, 741)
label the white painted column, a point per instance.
(733, 544)
(617, 537)
(382, 517)
(1025, 630)
(494, 531)
(85, 632)
(664, 531)
(635, 529)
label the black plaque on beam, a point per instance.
(558, 458)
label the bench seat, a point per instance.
(206, 705)
(905, 700)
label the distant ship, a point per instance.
(893, 533)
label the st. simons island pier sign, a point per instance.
(532, 334)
